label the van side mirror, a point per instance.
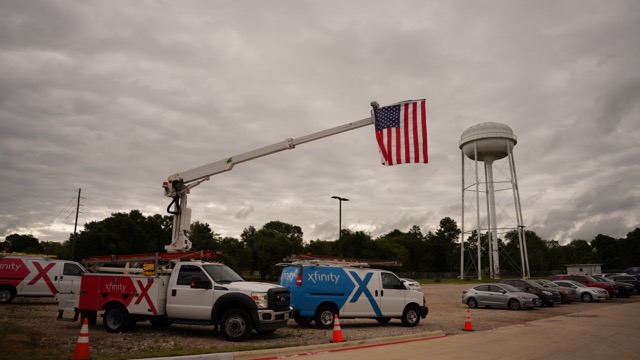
(198, 282)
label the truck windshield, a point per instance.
(222, 273)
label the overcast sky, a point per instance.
(114, 96)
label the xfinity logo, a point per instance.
(115, 287)
(289, 276)
(317, 277)
(12, 266)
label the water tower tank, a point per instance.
(493, 141)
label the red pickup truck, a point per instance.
(612, 289)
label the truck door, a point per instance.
(188, 298)
(69, 280)
(392, 299)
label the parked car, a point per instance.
(549, 297)
(634, 271)
(411, 284)
(568, 294)
(588, 280)
(624, 289)
(586, 293)
(626, 278)
(499, 295)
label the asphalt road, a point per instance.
(603, 333)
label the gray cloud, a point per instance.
(112, 97)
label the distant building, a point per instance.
(584, 269)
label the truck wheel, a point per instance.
(236, 325)
(117, 319)
(411, 316)
(7, 294)
(324, 316)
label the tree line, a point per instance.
(259, 250)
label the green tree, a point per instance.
(607, 251)
(272, 243)
(123, 233)
(23, 243)
(202, 237)
(319, 248)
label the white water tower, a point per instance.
(490, 143)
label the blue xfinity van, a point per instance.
(319, 290)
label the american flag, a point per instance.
(401, 131)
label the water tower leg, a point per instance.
(492, 219)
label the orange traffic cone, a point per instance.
(82, 346)
(337, 333)
(467, 323)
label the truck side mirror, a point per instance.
(198, 282)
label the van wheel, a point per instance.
(7, 294)
(117, 319)
(236, 325)
(411, 316)
(324, 316)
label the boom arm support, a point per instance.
(178, 185)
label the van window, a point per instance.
(72, 270)
(390, 281)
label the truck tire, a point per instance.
(411, 316)
(324, 316)
(7, 294)
(236, 325)
(117, 319)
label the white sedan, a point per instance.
(586, 293)
(411, 284)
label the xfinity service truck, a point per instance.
(194, 291)
(37, 276)
(179, 288)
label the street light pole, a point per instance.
(340, 200)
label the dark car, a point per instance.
(588, 280)
(568, 294)
(549, 297)
(627, 279)
(624, 289)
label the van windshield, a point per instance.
(222, 273)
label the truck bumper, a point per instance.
(424, 311)
(270, 319)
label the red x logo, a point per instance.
(144, 294)
(42, 273)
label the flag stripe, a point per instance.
(401, 132)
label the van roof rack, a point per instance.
(339, 261)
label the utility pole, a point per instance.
(75, 227)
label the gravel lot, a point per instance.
(30, 325)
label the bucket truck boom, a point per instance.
(178, 185)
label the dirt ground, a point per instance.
(29, 327)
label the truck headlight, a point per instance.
(260, 298)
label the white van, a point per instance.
(319, 290)
(37, 276)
